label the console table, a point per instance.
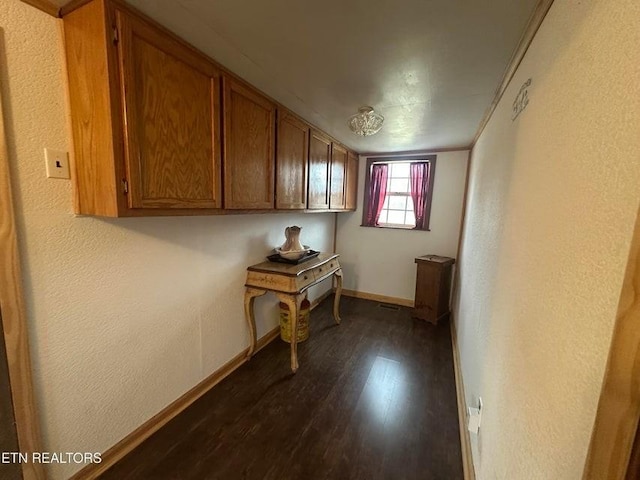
(289, 283)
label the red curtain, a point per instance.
(419, 173)
(377, 193)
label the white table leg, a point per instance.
(249, 296)
(336, 300)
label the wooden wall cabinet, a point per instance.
(249, 147)
(319, 163)
(338, 177)
(333, 175)
(351, 183)
(145, 116)
(159, 128)
(433, 286)
(291, 161)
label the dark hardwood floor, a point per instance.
(374, 398)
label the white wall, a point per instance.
(551, 207)
(125, 315)
(381, 261)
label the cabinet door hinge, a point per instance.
(125, 186)
(116, 36)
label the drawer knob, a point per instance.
(319, 269)
(306, 278)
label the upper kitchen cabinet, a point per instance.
(172, 118)
(351, 183)
(291, 161)
(338, 176)
(319, 163)
(161, 129)
(145, 111)
(249, 147)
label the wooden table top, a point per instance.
(292, 270)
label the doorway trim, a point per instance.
(618, 411)
(14, 322)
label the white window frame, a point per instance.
(406, 194)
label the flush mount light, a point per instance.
(366, 122)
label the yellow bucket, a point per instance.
(303, 322)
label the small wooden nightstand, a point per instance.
(433, 284)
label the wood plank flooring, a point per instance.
(374, 399)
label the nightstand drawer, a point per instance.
(325, 269)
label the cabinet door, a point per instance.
(319, 162)
(249, 147)
(291, 161)
(171, 99)
(351, 184)
(338, 171)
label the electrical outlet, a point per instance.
(475, 418)
(57, 163)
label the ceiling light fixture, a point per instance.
(366, 122)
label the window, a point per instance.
(398, 192)
(397, 209)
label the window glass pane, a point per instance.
(385, 205)
(410, 204)
(390, 169)
(383, 216)
(396, 217)
(396, 202)
(401, 170)
(410, 218)
(399, 185)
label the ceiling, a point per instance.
(431, 67)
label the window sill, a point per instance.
(385, 227)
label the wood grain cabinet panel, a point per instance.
(351, 183)
(145, 116)
(291, 161)
(249, 147)
(338, 175)
(97, 170)
(172, 120)
(319, 163)
(433, 285)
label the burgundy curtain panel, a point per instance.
(419, 173)
(377, 193)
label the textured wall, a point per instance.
(125, 315)
(381, 261)
(552, 203)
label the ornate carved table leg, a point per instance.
(293, 302)
(336, 300)
(249, 296)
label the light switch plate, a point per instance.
(57, 163)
